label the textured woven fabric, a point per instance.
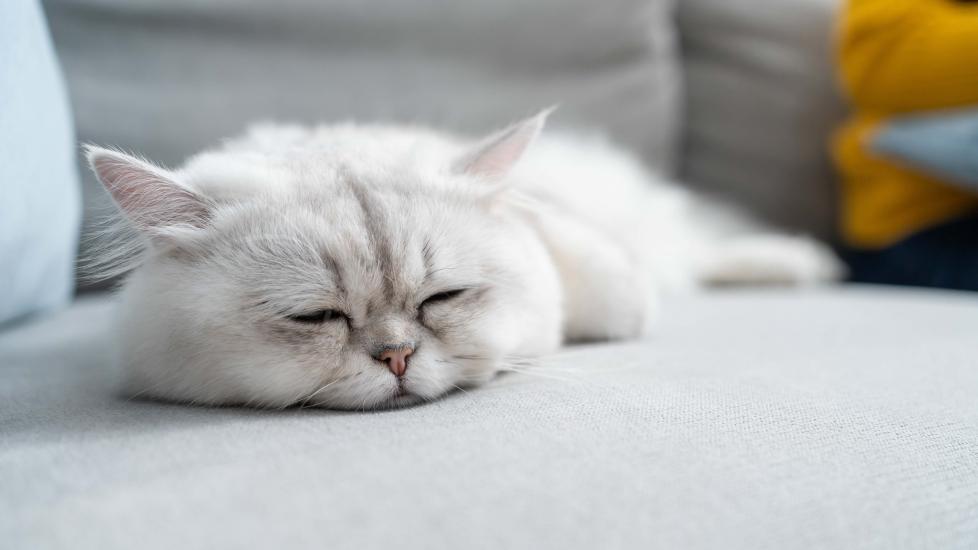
(834, 419)
(761, 104)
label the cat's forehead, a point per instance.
(366, 238)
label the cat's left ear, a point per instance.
(494, 156)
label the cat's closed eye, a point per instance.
(443, 296)
(318, 316)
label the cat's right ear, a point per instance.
(149, 195)
(495, 155)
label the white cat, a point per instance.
(357, 266)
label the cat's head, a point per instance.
(341, 283)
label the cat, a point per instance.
(369, 266)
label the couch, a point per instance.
(838, 417)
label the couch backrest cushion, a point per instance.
(761, 103)
(39, 198)
(167, 77)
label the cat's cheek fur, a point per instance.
(178, 353)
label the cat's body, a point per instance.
(362, 266)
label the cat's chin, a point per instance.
(402, 400)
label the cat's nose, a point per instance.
(396, 357)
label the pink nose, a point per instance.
(396, 359)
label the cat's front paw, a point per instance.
(772, 260)
(619, 311)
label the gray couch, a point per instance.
(839, 418)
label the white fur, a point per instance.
(572, 240)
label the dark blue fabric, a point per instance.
(945, 256)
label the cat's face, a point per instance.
(348, 290)
(356, 298)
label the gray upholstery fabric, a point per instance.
(167, 78)
(833, 419)
(761, 104)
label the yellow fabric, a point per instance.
(898, 57)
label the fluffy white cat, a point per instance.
(365, 266)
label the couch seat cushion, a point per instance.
(759, 419)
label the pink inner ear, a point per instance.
(496, 155)
(147, 194)
(498, 158)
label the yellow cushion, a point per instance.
(896, 57)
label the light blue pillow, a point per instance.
(40, 206)
(944, 145)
